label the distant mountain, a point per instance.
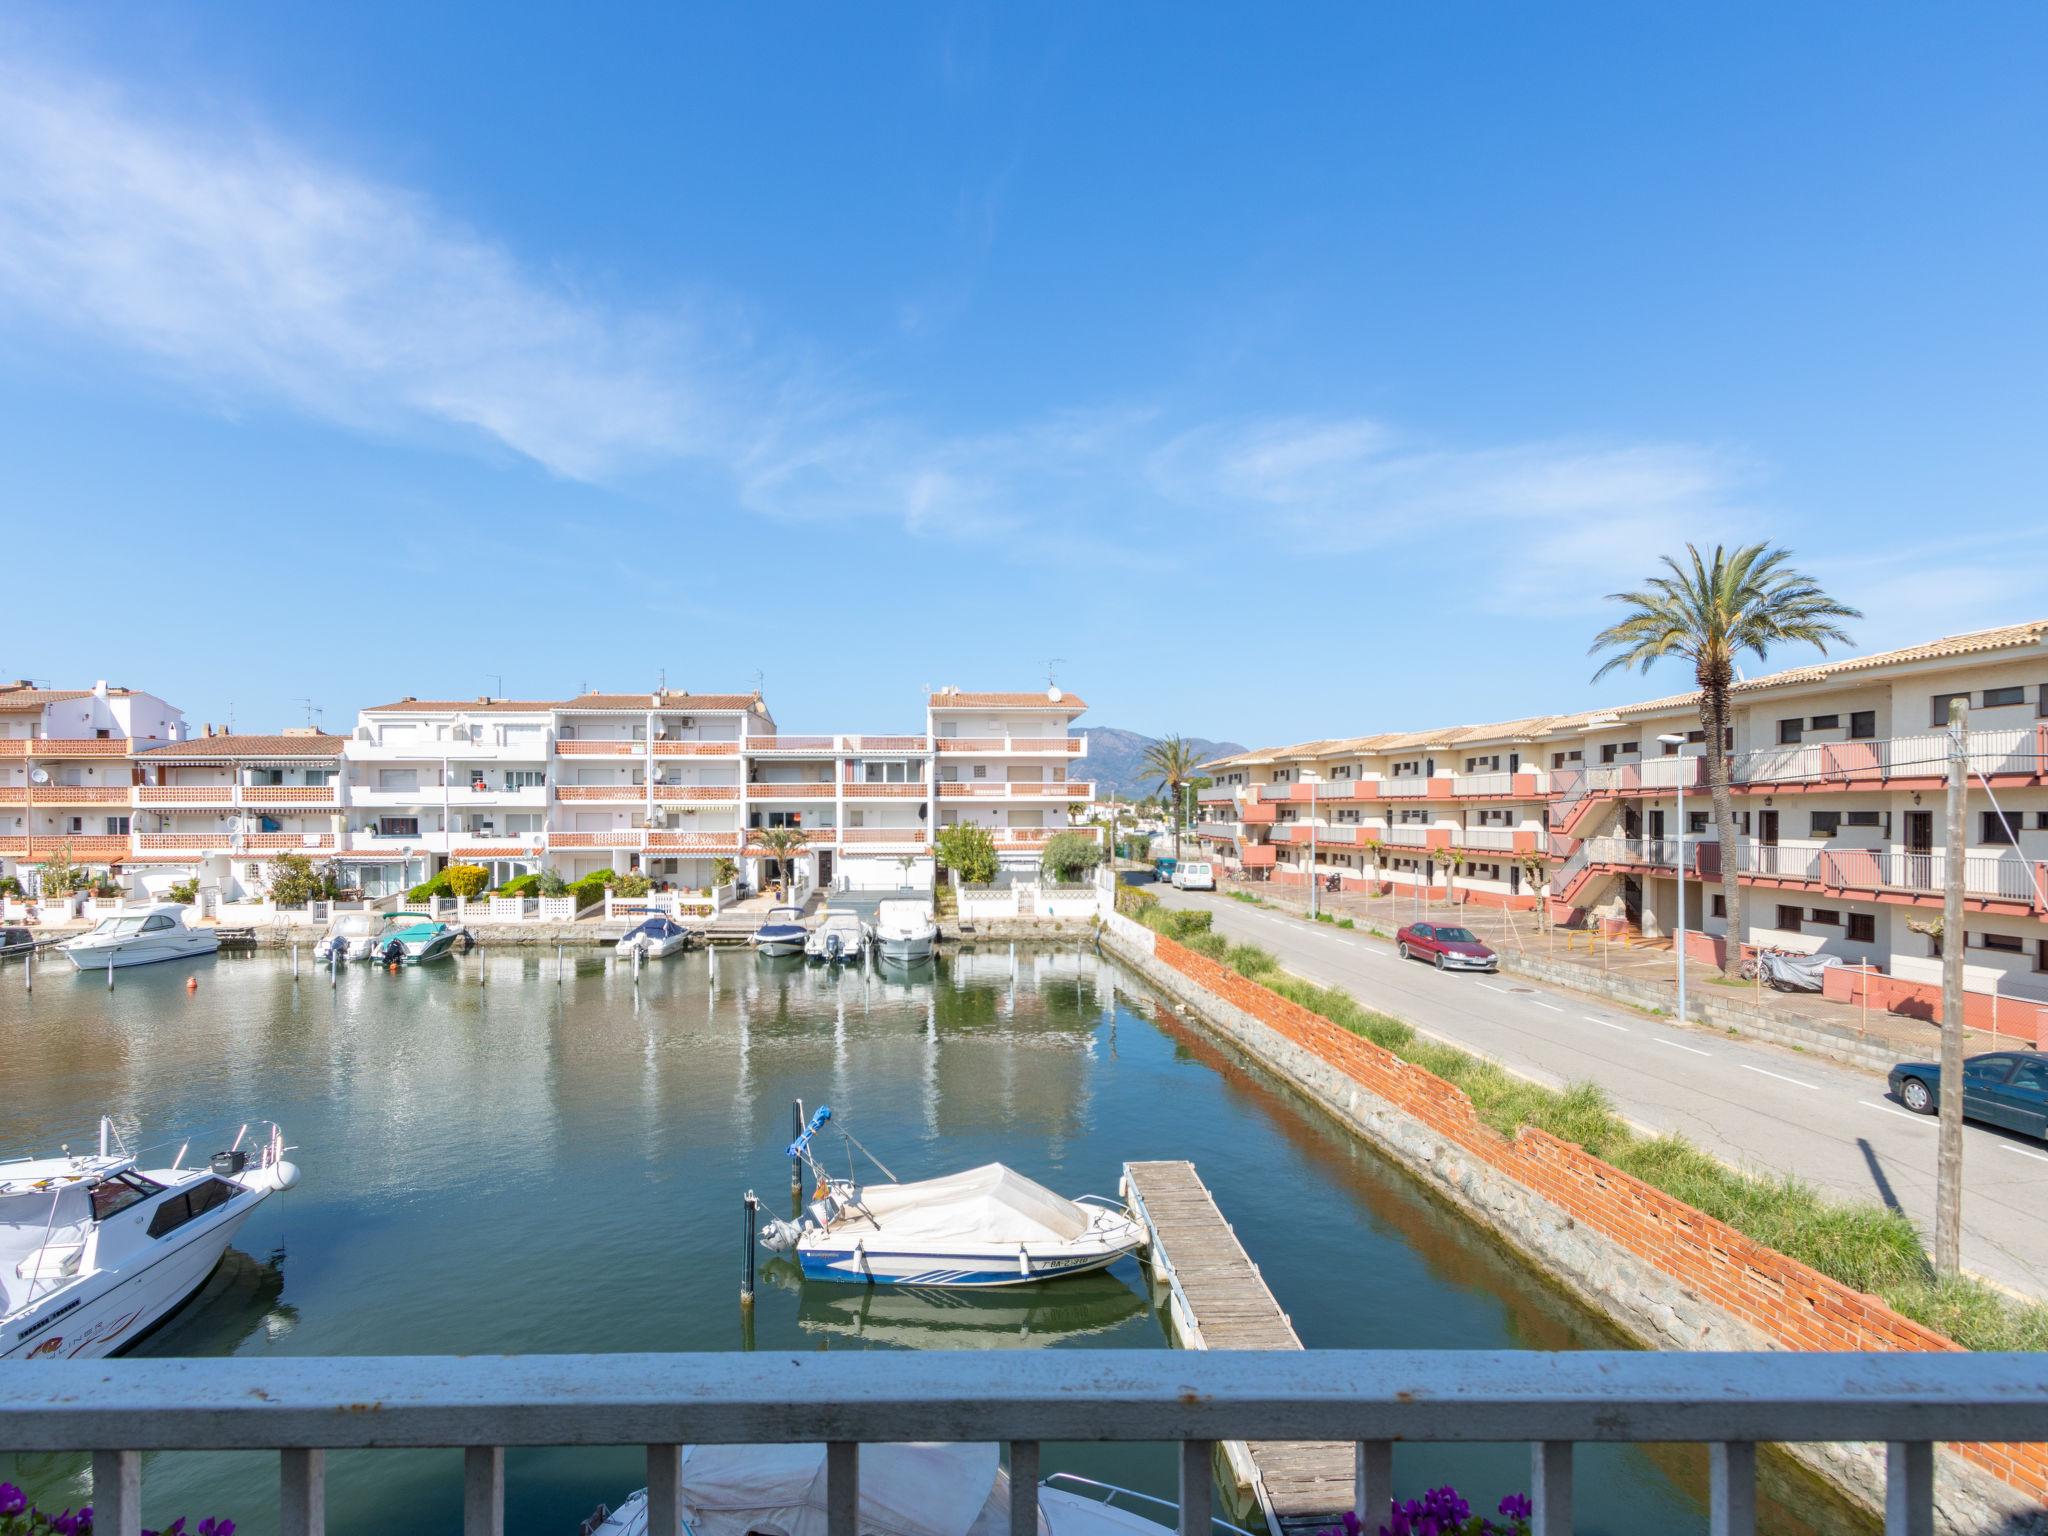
(1116, 759)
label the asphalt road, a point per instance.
(1752, 1104)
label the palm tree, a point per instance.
(1710, 612)
(782, 845)
(1170, 763)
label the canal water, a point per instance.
(499, 1161)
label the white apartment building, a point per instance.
(1839, 771)
(673, 785)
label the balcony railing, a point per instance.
(1406, 837)
(601, 748)
(85, 849)
(65, 794)
(888, 743)
(1062, 745)
(805, 745)
(907, 836)
(305, 1408)
(2015, 752)
(681, 842)
(50, 748)
(1486, 839)
(914, 790)
(696, 749)
(1038, 789)
(612, 792)
(675, 792)
(184, 794)
(1404, 789)
(800, 791)
(289, 794)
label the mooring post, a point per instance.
(558, 964)
(749, 1211)
(28, 971)
(295, 959)
(796, 1131)
(110, 970)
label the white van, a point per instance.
(1194, 877)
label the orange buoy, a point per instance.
(393, 967)
(191, 983)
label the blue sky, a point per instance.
(1284, 373)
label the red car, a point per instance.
(1451, 948)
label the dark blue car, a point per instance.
(2006, 1088)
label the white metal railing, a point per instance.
(2009, 751)
(1404, 789)
(305, 1408)
(1483, 784)
(1491, 839)
(1406, 837)
(1563, 877)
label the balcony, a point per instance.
(1404, 789)
(801, 746)
(669, 794)
(1416, 837)
(77, 846)
(600, 749)
(1992, 881)
(1258, 814)
(615, 837)
(892, 837)
(888, 744)
(1493, 839)
(1226, 830)
(686, 843)
(65, 794)
(1036, 746)
(303, 1408)
(2018, 754)
(914, 790)
(50, 748)
(289, 795)
(803, 791)
(602, 794)
(1037, 789)
(696, 748)
(184, 794)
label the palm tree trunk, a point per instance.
(1714, 710)
(1175, 787)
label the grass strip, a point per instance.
(1868, 1247)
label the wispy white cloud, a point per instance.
(258, 272)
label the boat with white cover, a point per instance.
(160, 931)
(360, 935)
(653, 939)
(918, 1489)
(841, 936)
(419, 941)
(782, 932)
(987, 1226)
(905, 930)
(94, 1251)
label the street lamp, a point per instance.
(1677, 741)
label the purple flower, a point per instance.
(65, 1524)
(224, 1528)
(12, 1500)
(1515, 1506)
(1353, 1526)
(206, 1526)
(85, 1521)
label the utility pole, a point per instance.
(1948, 1203)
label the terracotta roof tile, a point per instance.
(464, 706)
(953, 698)
(671, 700)
(13, 697)
(321, 745)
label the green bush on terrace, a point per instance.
(1867, 1247)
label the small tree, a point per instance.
(969, 852)
(782, 845)
(184, 892)
(1536, 870)
(1451, 859)
(1069, 857)
(632, 884)
(467, 880)
(58, 876)
(724, 871)
(293, 880)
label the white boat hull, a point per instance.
(133, 1301)
(906, 950)
(144, 949)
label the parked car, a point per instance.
(1194, 876)
(1164, 868)
(2008, 1088)
(1448, 946)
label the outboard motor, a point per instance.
(394, 951)
(834, 946)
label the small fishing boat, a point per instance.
(421, 941)
(905, 930)
(94, 1251)
(917, 1489)
(783, 932)
(988, 1226)
(1004, 1317)
(160, 931)
(653, 939)
(841, 936)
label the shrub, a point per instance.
(58, 876)
(428, 889)
(969, 852)
(184, 891)
(632, 885)
(467, 880)
(9, 886)
(724, 871)
(1134, 901)
(549, 882)
(294, 881)
(1070, 856)
(520, 885)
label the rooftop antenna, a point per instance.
(757, 679)
(499, 679)
(1051, 667)
(311, 709)
(661, 681)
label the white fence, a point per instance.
(1027, 899)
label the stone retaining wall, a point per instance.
(1671, 1276)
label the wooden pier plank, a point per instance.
(1301, 1487)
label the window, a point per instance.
(1942, 702)
(1996, 698)
(111, 1196)
(1992, 829)
(2041, 821)
(1987, 1071)
(189, 1205)
(1864, 819)
(2002, 943)
(1862, 928)
(1826, 823)
(2041, 709)
(102, 735)
(77, 823)
(1825, 917)
(1720, 907)
(1631, 749)
(1697, 738)
(524, 778)
(1788, 919)
(2041, 954)
(980, 771)
(1862, 725)
(398, 826)
(1670, 748)
(1607, 753)
(1789, 731)
(1825, 722)
(117, 826)
(1695, 822)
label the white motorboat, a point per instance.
(841, 936)
(917, 1489)
(653, 939)
(360, 935)
(782, 932)
(988, 1226)
(94, 1251)
(905, 930)
(418, 941)
(160, 931)
(1002, 1317)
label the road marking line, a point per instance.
(1905, 1114)
(1781, 1077)
(1677, 1047)
(1604, 1023)
(1551, 1006)
(1492, 988)
(2023, 1152)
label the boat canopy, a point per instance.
(991, 1204)
(920, 1489)
(656, 928)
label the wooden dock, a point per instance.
(1217, 1299)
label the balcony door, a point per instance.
(1919, 869)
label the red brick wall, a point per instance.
(1798, 1307)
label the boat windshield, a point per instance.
(118, 927)
(110, 1196)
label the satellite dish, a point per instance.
(39, 775)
